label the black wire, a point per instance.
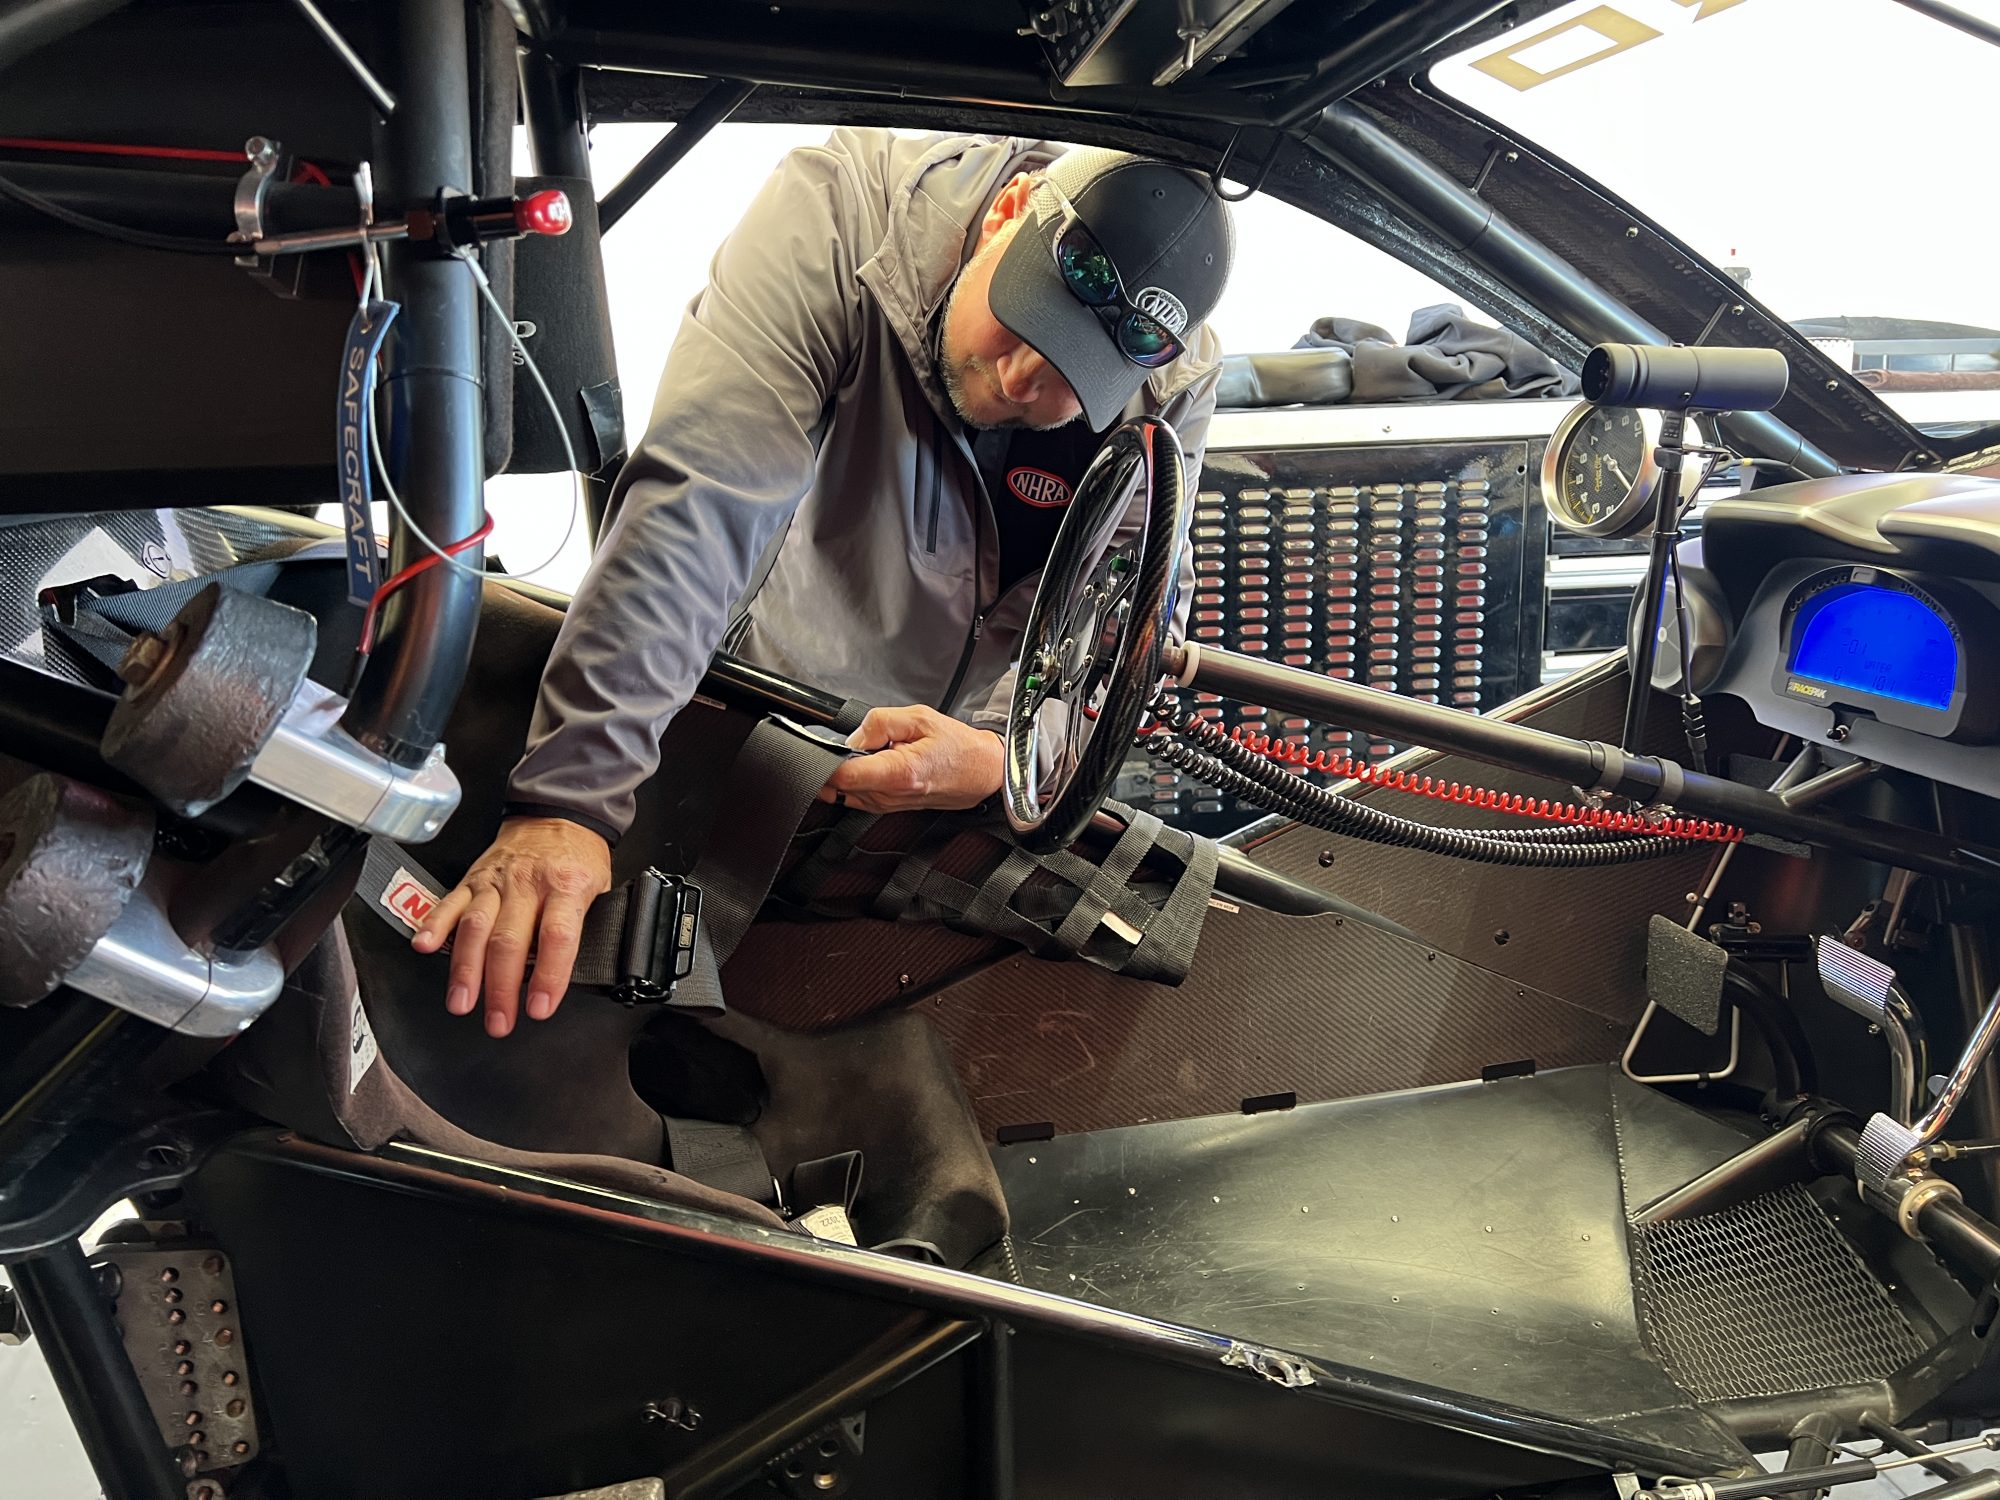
(1204, 751)
(145, 239)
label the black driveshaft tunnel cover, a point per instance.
(70, 858)
(199, 707)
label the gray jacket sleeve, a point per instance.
(726, 460)
(1188, 413)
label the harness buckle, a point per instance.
(656, 949)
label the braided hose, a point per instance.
(1200, 749)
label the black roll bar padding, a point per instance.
(1350, 140)
(553, 107)
(424, 645)
(71, 1317)
(1583, 763)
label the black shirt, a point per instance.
(1030, 478)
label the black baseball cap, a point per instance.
(1166, 232)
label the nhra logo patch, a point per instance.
(408, 900)
(1164, 308)
(1038, 487)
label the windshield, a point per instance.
(1835, 156)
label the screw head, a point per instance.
(141, 660)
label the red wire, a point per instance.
(100, 148)
(1345, 766)
(391, 584)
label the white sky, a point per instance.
(1842, 149)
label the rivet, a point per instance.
(218, 1306)
(1502, 937)
(1632, 232)
(234, 1408)
(197, 1439)
(229, 1377)
(182, 1346)
(239, 1447)
(1489, 1228)
(172, 1294)
(185, 1367)
(824, 1480)
(192, 1419)
(213, 1265)
(188, 1387)
(1325, 858)
(225, 1336)
(177, 1316)
(169, 1274)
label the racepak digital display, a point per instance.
(1877, 640)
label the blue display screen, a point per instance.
(1880, 641)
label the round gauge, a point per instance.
(1598, 474)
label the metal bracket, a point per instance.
(142, 965)
(176, 1310)
(312, 760)
(267, 158)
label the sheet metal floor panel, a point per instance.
(1470, 1236)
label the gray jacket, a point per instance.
(802, 432)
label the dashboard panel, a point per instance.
(1860, 612)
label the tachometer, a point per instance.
(1598, 474)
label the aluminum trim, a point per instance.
(316, 763)
(143, 966)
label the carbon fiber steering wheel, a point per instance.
(1090, 657)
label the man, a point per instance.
(868, 427)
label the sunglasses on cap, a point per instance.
(1093, 280)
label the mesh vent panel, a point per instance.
(1398, 567)
(1765, 1299)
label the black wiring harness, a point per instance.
(1194, 745)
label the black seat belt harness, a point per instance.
(656, 948)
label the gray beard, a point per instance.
(953, 375)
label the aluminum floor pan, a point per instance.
(1471, 1237)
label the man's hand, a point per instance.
(529, 891)
(923, 759)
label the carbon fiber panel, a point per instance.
(1318, 1006)
(141, 546)
(1579, 933)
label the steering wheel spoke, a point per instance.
(1098, 627)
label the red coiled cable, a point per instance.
(1339, 763)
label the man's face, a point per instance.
(994, 379)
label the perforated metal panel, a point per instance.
(1766, 1298)
(1400, 566)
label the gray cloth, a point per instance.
(802, 430)
(1446, 356)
